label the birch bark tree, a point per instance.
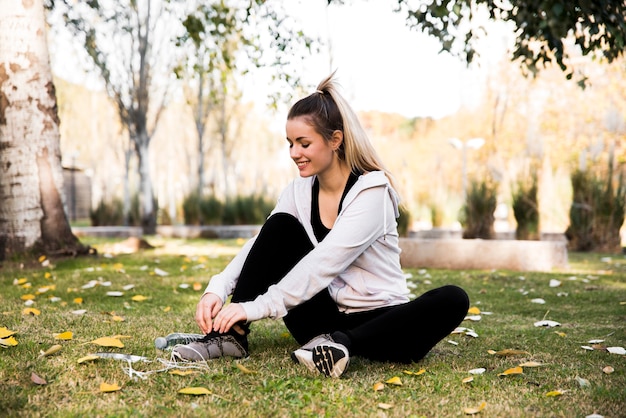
(32, 216)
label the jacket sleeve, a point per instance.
(356, 228)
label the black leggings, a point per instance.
(400, 333)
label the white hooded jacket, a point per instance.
(358, 261)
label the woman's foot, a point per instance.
(323, 354)
(213, 345)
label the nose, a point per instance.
(294, 152)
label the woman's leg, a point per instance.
(281, 243)
(406, 332)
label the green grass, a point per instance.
(592, 308)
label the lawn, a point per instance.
(567, 370)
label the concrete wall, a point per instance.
(477, 254)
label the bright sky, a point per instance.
(382, 64)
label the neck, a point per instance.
(334, 180)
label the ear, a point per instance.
(336, 140)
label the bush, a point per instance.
(111, 213)
(404, 220)
(191, 209)
(242, 210)
(597, 211)
(526, 208)
(477, 213)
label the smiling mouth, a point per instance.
(302, 163)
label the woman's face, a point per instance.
(308, 149)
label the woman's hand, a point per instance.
(229, 316)
(208, 307)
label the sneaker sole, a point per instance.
(330, 360)
(304, 357)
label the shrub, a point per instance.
(597, 211)
(191, 209)
(404, 220)
(477, 214)
(526, 208)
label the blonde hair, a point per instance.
(327, 111)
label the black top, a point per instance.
(319, 229)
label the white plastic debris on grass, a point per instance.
(128, 287)
(617, 350)
(547, 323)
(473, 318)
(115, 293)
(479, 370)
(29, 303)
(453, 342)
(538, 300)
(160, 272)
(555, 283)
(79, 311)
(598, 341)
(184, 285)
(586, 347)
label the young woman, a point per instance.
(327, 259)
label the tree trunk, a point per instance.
(32, 216)
(148, 210)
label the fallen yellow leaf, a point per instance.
(5, 332)
(21, 281)
(245, 369)
(531, 364)
(492, 352)
(510, 352)
(560, 334)
(106, 387)
(417, 373)
(118, 318)
(78, 301)
(197, 286)
(182, 372)
(467, 379)
(31, 311)
(475, 410)
(139, 298)
(28, 297)
(513, 370)
(555, 393)
(194, 391)
(108, 342)
(67, 335)
(90, 357)
(473, 311)
(54, 349)
(167, 309)
(41, 258)
(378, 386)
(47, 275)
(394, 381)
(8, 342)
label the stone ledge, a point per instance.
(208, 231)
(477, 254)
(107, 231)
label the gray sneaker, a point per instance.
(213, 345)
(323, 354)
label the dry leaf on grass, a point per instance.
(475, 410)
(417, 373)
(107, 388)
(608, 370)
(90, 357)
(50, 351)
(531, 364)
(554, 393)
(5, 332)
(108, 342)
(198, 390)
(37, 380)
(378, 386)
(8, 342)
(385, 406)
(67, 335)
(31, 311)
(183, 372)
(512, 371)
(394, 381)
(245, 369)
